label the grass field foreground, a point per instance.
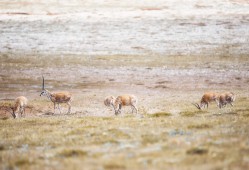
(192, 139)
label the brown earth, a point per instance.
(161, 83)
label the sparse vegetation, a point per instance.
(197, 151)
(200, 126)
(71, 153)
(160, 114)
(112, 139)
(167, 59)
(114, 166)
(193, 113)
(22, 162)
(167, 132)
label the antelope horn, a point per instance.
(197, 105)
(12, 113)
(43, 84)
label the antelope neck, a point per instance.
(49, 95)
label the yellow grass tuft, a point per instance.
(192, 113)
(114, 166)
(71, 153)
(197, 151)
(22, 162)
(200, 126)
(160, 114)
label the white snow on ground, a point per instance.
(164, 27)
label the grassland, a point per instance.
(168, 133)
(167, 53)
(191, 140)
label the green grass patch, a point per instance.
(200, 126)
(1, 148)
(197, 151)
(150, 139)
(22, 162)
(114, 166)
(232, 113)
(243, 112)
(118, 134)
(77, 131)
(4, 118)
(192, 113)
(160, 114)
(6, 103)
(72, 153)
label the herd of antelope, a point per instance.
(221, 99)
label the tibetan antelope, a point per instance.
(226, 98)
(19, 106)
(57, 98)
(125, 100)
(206, 99)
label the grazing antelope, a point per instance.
(226, 98)
(206, 99)
(19, 106)
(57, 98)
(125, 100)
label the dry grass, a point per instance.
(160, 114)
(154, 141)
(175, 135)
(197, 151)
(177, 61)
(71, 153)
(193, 112)
(169, 132)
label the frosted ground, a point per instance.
(161, 27)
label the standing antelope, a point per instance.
(19, 106)
(226, 98)
(57, 98)
(125, 100)
(206, 99)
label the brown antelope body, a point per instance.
(226, 98)
(206, 99)
(125, 100)
(19, 106)
(57, 98)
